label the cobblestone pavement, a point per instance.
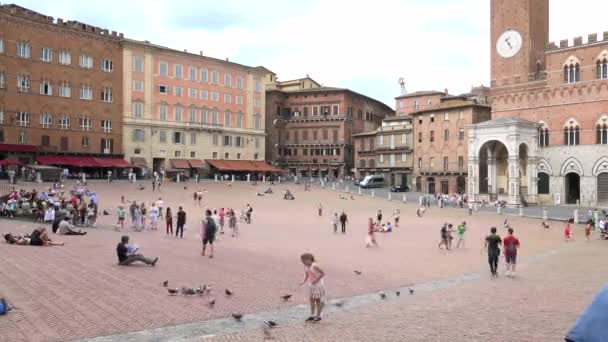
(77, 291)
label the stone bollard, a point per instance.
(521, 211)
(248, 177)
(333, 186)
(216, 178)
(373, 193)
(346, 189)
(596, 216)
(359, 190)
(545, 214)
(575, 216)
(390, 195)
(232, 178)
(404, 198)
(499, 210)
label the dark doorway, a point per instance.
(573, 182)
(430, 185)
(403, 179)
(392, 179)
(461, 185)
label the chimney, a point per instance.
(578, 41)
(563, 43)
(201, 52)
(592, 38)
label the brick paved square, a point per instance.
(77, 291)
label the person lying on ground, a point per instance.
(16, 239)
(40, 237)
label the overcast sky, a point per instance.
(362, 45)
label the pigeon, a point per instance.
(237, 316)
(185, 188)
(411, 291)
(382, 295)
(357, 272)
(165, 283)
(186, 291)
(545, 225)
(173, 291)
(229, 293)
(270, 324)
(106, 213)
(211, 303)
(398, 293)
(286, 297)
(339, 304)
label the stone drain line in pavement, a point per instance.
(227, 326)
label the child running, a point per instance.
(462, 228)
(568, 233)
(314, 278)
(588, 230)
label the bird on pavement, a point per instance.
(188, 291)
(411, 291)
(200, 290)
(237, 316)
(339, 304)
(211, 303)
(357, 272)
(286, 297)
(229, 293)
(382, 295)
(173, 291)
(165, 283)
(270, 324)
(398, 293)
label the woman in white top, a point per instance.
(49, 215)
(154, 217)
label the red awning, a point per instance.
(180, 164)
(82, 161)
(7, 162)
(111, 162)
(196, 163)
(242, 165)
(17, 148)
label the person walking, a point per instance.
(121, 213)
(320, 210)
(222, 215)
(169, 221)
(181, 222)
(153, 216)
(379, 216)
(334, 221)
(343, 221)
(153, 185)
(462, 228)
(160, 204)
(444, 237)
(511, 244)
(396, 214)
(144, 212)
(470, 205)
(209, 229)
(492, 245)
(371, 238)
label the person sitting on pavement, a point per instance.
(126, 257)
(40, 237)
(65, 228)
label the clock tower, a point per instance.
(519, 33)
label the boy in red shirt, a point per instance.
(511, 244)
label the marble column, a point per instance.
(473, 179)
(492, 175)
(532, 172)
(514, 181)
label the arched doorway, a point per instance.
(602, 188)
(430, 185)
(418, 184)
(543, 183)
(573, 192)
(461, 185)
(493, 168)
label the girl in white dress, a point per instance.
(314, 278)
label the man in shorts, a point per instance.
(209, 230)
(493, 246)
(511, 244)
(462, 228)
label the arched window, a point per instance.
(543, 183)
(602, 69)
(571, 134)
(572, 72)
(601, 134)
(543, 136)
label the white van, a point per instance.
(372, 182)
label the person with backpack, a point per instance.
(248, 212)
(492, 245)
(209, 228)
(511, 244)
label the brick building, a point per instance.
(386, 151)
(182, 108)
(60, 87)
(409, 103)
(311, 128)
(551, 100)
(440, 143)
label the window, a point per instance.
(192, 114)
(162, 136)
(381, 159)
(432, 160)
(239, 100)
(460, 162)
(1, 46)
(227, 98)
(257, 103)
(45, 140)
(22, 137)
(460, 115)
(106, 94)
(602, 69)
(416, 105)
(325, 134)
(86, 62)
(192, 138)
(138, 63)
(215, 96)
(227, 80)
(432, 136)
(138, 85)
(65, 57)
(543, 183)
(572, 72)
(215, 139)
(214, 155)
(64, 122)
(163, 89)
(392, 160)
(543, 136)
(420, 120)
(429, 101)
(257, 85)
(381, 140)
(46, 55)
(204, 75)
(138, 135)
(571, 135)
(107, 65)
(215, 76)
(446, 134)
(178, 153)
(214, 117)
(257, 142)
(238, 156)
(257, 121)
(419, 137)
(177, 113)
(239, 120)
(23, 50)
(178, 138)
(335, 110)
(163, 68)
(46, 88)
(85, 123)
(86, 92)
(432, 117)
(23, 83)
(204, 95)
(419, 163)
(446, 116)
(23, 119)
(162, 112)
(204, 116)
(2, 80)
(403, 157)
(238, 141)
(404, 139)
(239, 82)
(64, 89)
(227, 118)
(107, 145)
(106, 126)
(46, 120)
(461, 134)
(192, 93)
(227, 140)
(192, 154)
(602, 134)
(446, 164)
(137, 151)
(192, 73)
(85, 141)
(226, 155)
(178, 91)
(179, 71)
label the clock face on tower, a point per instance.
(508, 44)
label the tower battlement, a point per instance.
(592, 38)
